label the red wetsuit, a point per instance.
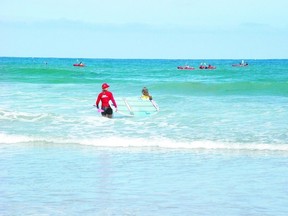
(105, 97)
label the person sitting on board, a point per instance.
(105, 96)
(145, 94)
(210, 67)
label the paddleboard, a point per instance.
(133, 107)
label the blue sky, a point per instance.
(164, 29)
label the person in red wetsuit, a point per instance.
(105, 96)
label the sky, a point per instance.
(148, 29)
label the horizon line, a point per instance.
(142, 58)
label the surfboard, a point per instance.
(133, 107)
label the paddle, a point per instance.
(99, 110)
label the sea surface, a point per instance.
(218, 146)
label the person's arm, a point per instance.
(98, 100)
(113, 101)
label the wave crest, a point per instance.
(162, 143)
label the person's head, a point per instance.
(105, 86)
(145, 91)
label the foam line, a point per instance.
(164, 143)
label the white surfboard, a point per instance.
(135, 107)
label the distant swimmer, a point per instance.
(105, 96)
(145, 94)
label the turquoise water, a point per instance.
(218, 146)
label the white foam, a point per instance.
(22, 116)
(10, 139)
(126, 142)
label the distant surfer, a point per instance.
(105, 96)
(145, 94)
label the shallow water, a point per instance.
(45, 179)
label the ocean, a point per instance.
(218, 146)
